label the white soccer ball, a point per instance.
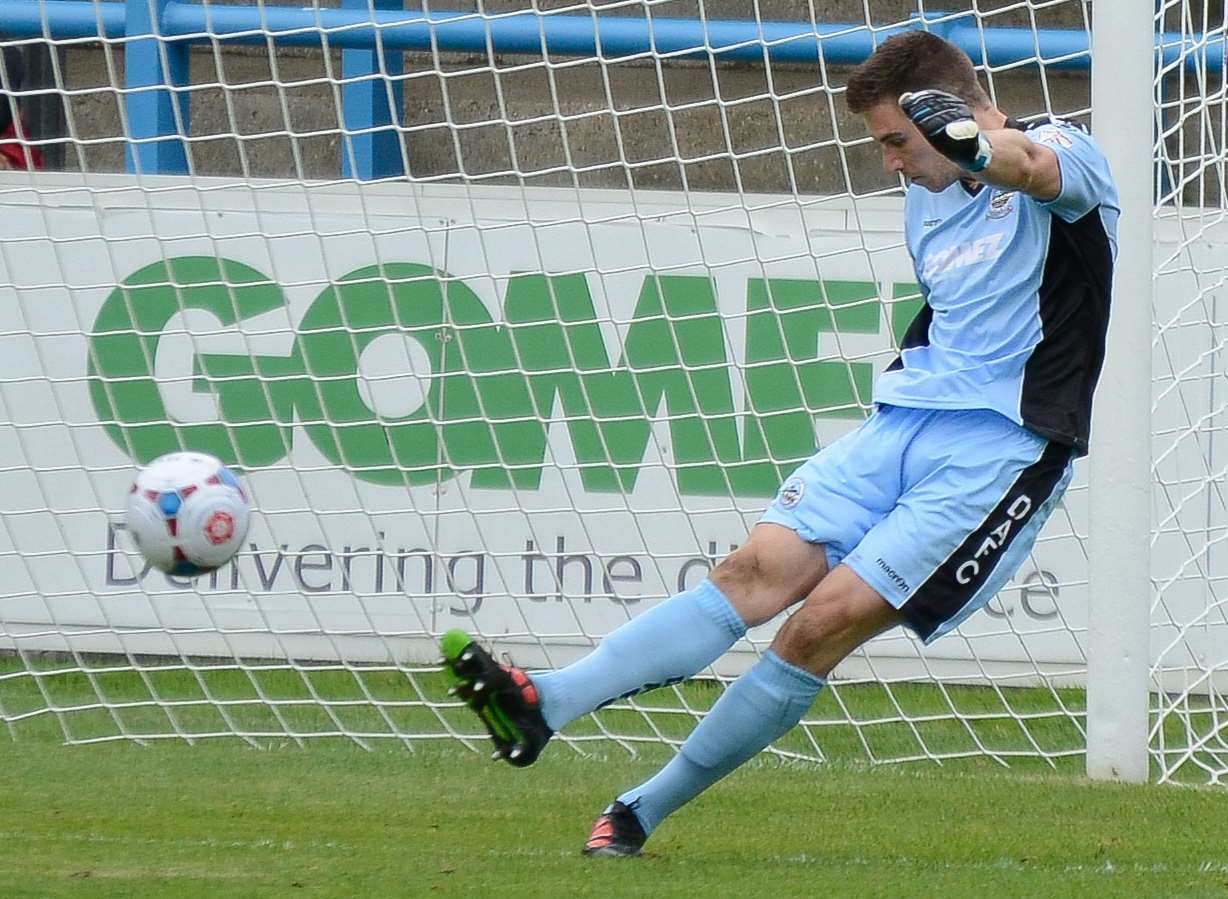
(187, 513)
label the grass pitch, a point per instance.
(323, 817)
(222, 819)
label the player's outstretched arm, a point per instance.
(1003, 157)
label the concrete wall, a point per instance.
(748, 127)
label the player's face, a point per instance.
(906, 151)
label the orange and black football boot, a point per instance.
(616, 833)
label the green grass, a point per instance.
(287, 815)
(59, 699)
(222, 819)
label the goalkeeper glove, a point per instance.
(947, 123)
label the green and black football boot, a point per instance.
(502, 696)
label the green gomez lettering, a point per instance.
(494, 385)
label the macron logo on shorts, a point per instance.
(894, 576)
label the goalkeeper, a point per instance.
(925, 511)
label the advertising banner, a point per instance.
(529, 413)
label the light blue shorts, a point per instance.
(935, 509)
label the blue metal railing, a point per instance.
(159, 33)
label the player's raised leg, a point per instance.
(666, 644)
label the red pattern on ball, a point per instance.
(220, 527)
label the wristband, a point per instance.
(984, 154)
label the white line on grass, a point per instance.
(183, 842)
(1001, 864)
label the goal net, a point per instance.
(513, 320)
(1189, 638)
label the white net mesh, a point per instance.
(1188, 638)
(545, 378)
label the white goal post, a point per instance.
(513, 318)
(1119, 501)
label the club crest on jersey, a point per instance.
(1053, 136)
(1001, 204)
(791, 493)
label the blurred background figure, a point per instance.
(15, 151)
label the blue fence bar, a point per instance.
(358, 29)
(371, 147)
(62, 19)
(157, 117)
(608, 36)
(571, 35)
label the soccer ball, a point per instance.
(187, 513)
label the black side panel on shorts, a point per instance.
(953, 584)
(918, 334)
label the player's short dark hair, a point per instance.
(913, 61)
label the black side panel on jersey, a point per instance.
(918, 334)
(956, 581)
(1061, 373)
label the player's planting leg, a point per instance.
(617, 833)
(758, 708)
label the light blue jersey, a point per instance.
(1017, 295)
(937, 498)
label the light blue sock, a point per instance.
(666, 644)
(758, 708)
